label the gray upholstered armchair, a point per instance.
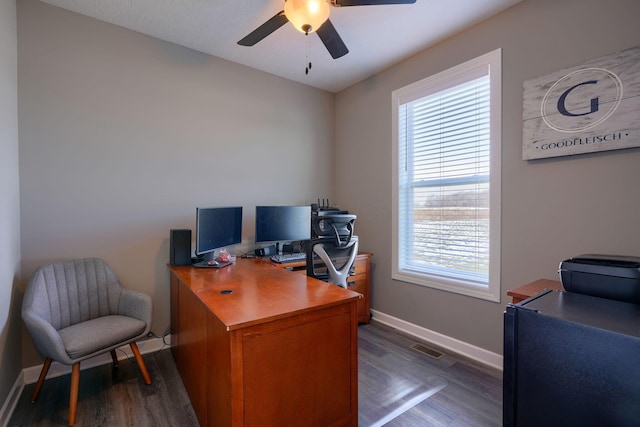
(77, 309)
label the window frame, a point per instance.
(490, 63)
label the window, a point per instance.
(446, 192)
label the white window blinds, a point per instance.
(443, 177)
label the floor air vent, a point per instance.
(428, 351)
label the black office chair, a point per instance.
(330, 256)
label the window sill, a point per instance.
(449, 285)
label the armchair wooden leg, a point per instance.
(114, 357)
(141, 365)
(73, 393)
(43, 375)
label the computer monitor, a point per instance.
(283, 223)
(217, 228)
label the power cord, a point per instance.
(166, 332)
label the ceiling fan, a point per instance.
(310, 16)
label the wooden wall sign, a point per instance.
(583, 109)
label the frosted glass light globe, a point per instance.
(306, 15)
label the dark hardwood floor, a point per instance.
(113, 397)
(448, 391)
(398, 387)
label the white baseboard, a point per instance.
(476, 353)
(30, 375)
(147, 346)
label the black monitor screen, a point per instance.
(217, 228)
(283, 223)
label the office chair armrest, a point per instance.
(45, 337)
(137, 305)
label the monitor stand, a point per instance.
(209, 261)
(284, 248)
(211, 264)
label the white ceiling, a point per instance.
(377, 36)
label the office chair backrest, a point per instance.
(330, 256)
(328, 262)
(338, 227)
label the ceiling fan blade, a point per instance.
(331, 39)
(272, 24)
(370, 2)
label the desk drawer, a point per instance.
(358, 283)
(361, 265)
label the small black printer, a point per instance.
(605, 276)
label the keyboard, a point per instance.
(284, 258)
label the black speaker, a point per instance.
(180, 247)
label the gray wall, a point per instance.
(123, 135)
(551, 209)
(10, 300)
(10, 323)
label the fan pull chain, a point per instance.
(307, 60)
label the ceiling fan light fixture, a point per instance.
(306, 15)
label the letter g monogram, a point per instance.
(561, 101)
(581, 92)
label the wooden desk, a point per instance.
(534, 288)
(360, 281)
(279, 349)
